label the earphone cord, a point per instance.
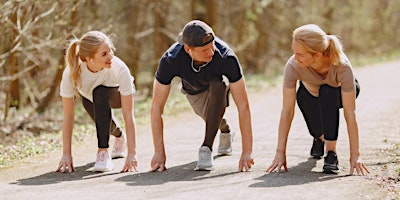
(201, 66)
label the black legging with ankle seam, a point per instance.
(322, 113)
(104, 99)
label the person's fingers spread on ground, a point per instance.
(272, 167)
(285, 166)
(365, 168)
(155, 167)
(162, 168)
(58, 168)
(269, 169)
(279, 168)
(71, 168)
(351, 170)
(62, 168)
(245, 167)
(158, 167)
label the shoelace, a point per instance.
(204, 156)
(100, 156)
(118, 144)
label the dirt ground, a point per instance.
(378, 114)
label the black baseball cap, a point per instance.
(196, 33)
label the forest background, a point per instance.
(34, 35)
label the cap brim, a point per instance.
(180, 40)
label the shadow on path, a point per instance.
(297, 175)
(184, 172)
(81, 173)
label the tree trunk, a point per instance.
(13, 89)
(45, 102)
(211, 13)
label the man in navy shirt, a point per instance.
(209, 69)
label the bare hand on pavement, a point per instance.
(131, 164)
(65, 164)
(158, 162)
(245, 162)
(357, 164)
(278, 162)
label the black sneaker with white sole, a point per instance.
(331, 163)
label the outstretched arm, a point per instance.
(287, 113)
(160, 95)
(127, 104)
(239, 94)
(67, 126)
(349, 110)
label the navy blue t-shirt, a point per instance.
(177, 62)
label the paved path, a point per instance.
(378, 108)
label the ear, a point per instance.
(318, 55)
(187, 49)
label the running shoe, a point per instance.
(103, 162)
(331, 163)
(205, 159)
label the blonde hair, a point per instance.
(315, 40)
(80, 49)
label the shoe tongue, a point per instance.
(102, 155)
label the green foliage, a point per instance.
(28, 146)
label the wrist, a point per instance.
(281, 150)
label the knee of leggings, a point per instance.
(99, 90)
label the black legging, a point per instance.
(322, 113)
(104, 99)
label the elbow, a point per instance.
(349, 115)
(156, 111)
(244, 108)
(287, 113)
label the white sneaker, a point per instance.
(103, 162)
(205, 159)
(119, 148)
(225, 143)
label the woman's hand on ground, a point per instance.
(278, 162)
(65, 164)
(131, 164)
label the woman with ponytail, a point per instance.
(326, 84)
(103, 82)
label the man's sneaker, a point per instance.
(331, 163)
(103, 162)
(205, 159)
(119, 148)
(225, 143)
(317, 149)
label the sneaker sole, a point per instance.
(225, 152)
(119, 155)
(330, 170)
(202, 168)
(316, 156)
(102, 170)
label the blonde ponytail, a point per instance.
(335, 50)
(72, 61)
